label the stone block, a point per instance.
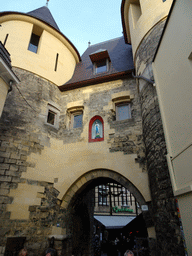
(4, 192)
(12, 173)
(15, 156)
(2, 207)
(22, 168)
(23, 157)
(1, 159)
(15, 179)
(4, 166)
(14, 168)
(33, 208)
(5, 178)
(5, 154)
(5, 144)
(2, 172)
(23, 163)
(10, 161)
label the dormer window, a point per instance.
(100, 60)
(101, 66)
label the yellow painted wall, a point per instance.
(3, 94)
(41, 63)
(173, 75)
(152, 11)
(172, 69)
(67, 161)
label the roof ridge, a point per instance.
(105, 41)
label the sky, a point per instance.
(80, 21)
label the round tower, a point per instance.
(37, 45)
(143, 22)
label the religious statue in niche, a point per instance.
(97, 130)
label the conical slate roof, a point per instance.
(44, 14)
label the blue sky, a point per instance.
(79, 20)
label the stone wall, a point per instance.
(169, 240)
(29, 203)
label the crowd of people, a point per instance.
(116, 247)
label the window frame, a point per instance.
(36, 32)
(72, 122)
(33, 47)
(117, 110)
(95, 68)
(53, 109)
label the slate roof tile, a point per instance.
(44, 14)
(121, 61)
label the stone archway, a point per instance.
(98, 174)
(77, 202)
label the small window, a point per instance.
(35, 39)
(164, 0)
(51, 117)
(123, 112)
(101, 67)
(33, 45)
(56, 61)
(75, 114)
(77, 120)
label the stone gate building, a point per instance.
(73, 123)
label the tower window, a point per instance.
(56, 61)
(51, 117)
(33, 45)
(35, 39)
(5, 39)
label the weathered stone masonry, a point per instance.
(23, 132)
(163, 203)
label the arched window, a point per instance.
(96, 129)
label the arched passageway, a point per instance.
(79, 202)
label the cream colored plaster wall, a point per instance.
(70, 162)
(64, 161)
(151, 13)
(3, 94)
(41, 63)
(173, 75)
